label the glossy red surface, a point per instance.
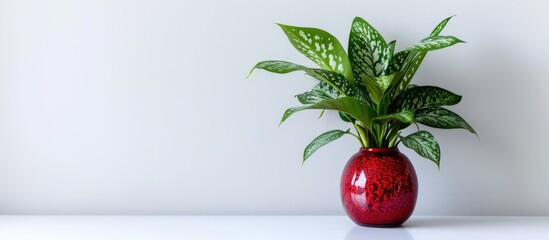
(379, 187)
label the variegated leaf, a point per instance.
(424, 97)
(434, 43)
(322, 91)
(397, 61)
(412, 61)
(424, 144)
(322, 140)
(277, 66)
(335, 80)
(367, 50)
(311, 97)
(363, 91)
(395, 69)
(404, 117)
(411, 66)
(377, 86)
(351, 106)
(389, 52)
(321, 47)
(439, 117)
(439, 27)
(384, 81)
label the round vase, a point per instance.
(379, 187)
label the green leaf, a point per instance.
(424, 144)
(384, 81)
(424, 97)
(439, 27)
(335, 80)
(377, 86)
(322, 91)
(321, 114)
(311, 97)
(277, 66)
(434, 43)
(390, 51)
(351, 106)
(410, 66)
(404, 117)
(397, 61)
(373, 89)
(322, 140)
(411, 86)
(367, 50)
(408, 63)
(321, 47)
(439, 117)
(345, 118)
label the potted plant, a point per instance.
(370, 87)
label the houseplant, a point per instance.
(370, 88)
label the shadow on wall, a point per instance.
(503, 91)
(507, 88)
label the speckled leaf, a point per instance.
(404, 117)
(384, 81)
(321, 47)
(389, 53)
(424, 97)
(311, 97)
(397, 61)
(439, 117)
(335, 80)
(408, 63)
(277, 66)
(322, 91)
(409, 69)
(377, 86)
(355, 108)
(439, 27)
(424, 144)
(367, 50)
(434, 43)
(322, 140)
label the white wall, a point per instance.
(141, 107)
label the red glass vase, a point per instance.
(379, 187)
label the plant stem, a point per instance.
(392, 137)
(363, 136)
(356, 136)
(378, 135)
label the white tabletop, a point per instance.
(265, 227)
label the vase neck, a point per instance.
(379, 150)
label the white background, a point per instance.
(141, 107)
